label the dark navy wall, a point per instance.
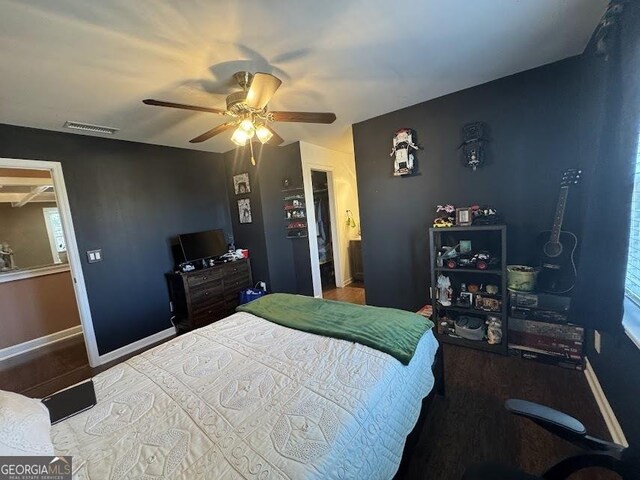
(283, 263)
(130, 200)
(532, 117)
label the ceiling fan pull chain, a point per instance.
(253, 160)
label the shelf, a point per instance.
(296, 189)
(477, 344)
(295, 218)
(287, 208)
(471, 228)
(470, 310)
(297, 236)
(468, 270)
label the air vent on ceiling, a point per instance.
(87, 127)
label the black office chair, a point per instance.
(597, 453)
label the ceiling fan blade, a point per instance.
(213, 132)
(276, 139)
(303, 117)
(182, 106)
(262, 88)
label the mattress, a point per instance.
(246, 398)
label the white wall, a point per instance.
(345, 197)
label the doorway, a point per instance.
(42, 291)
(324, 223)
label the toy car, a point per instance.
(442, 222)
(480, 260)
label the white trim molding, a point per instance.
(33, 272)
(615, 430)
(30, 345)
(138, 345)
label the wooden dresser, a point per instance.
(355, 260)
(204, 296)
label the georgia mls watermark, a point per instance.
(35, 468)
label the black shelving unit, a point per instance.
(294, 201)
(492, 238)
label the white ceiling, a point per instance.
(94, 61)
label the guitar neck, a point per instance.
(558, 219)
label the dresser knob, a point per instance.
(206, 293)
(204, 278)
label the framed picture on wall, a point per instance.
(241, 184)
(464, 217)
(244, 210)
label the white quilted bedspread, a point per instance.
(245, 398)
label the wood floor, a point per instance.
(470, 425)
(352, 293)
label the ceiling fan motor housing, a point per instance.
(236, 102)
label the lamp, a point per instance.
(263, 134)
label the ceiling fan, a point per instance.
(248, 111)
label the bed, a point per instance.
(249, 398)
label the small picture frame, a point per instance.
(244, 210)
(464, 217)
(241, 184)
(465, 300)
(465, 246)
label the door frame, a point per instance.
(313, 232)
(73, 253)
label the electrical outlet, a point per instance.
(597, 341)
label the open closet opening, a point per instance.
(321, 206)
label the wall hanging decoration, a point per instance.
(244, 210)
(403, 148)
(241, 183)
(474, 144)
(351, 222)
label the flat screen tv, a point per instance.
(199, 245)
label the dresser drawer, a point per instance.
(233, 285)
(206, 317)
(235, 268)
(207, 290)
(197, 279)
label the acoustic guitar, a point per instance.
(557, 247)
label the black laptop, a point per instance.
(70, 402)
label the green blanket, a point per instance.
(391, 331)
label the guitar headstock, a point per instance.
(571, 176)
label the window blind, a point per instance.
(632, 283)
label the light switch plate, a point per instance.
(94, 256)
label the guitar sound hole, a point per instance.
(552, 249)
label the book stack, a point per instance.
(539, 329)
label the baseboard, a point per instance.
(135, 346)
(40, 342)
(615, 430)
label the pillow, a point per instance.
(24, 426)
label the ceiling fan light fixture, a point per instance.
(263, 134)
(240, 137)
(247, 126)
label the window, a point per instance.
(631, 319)
(56, 234)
